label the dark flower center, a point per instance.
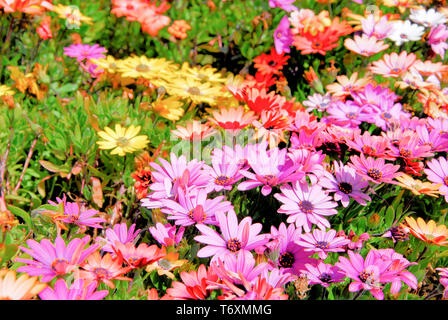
(374, 173)
(345, 187)
(352, 115)
(398, 233)
(325, 277)
(101, 273)
(405, 153)
(222, 180)
(286, 260)
(306, 206)
(386, 115)
(368, 149)
(269, 178)
(322, 245)
(234, 245)
(445, 180)
(197, 214)
(194, 91)
(364, 276)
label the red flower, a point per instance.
(270, 64)
(44, 30)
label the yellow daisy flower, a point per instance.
(196, 91)
(122, 140)
(110, 64)
(202, 73)
(69, 13)
(6, 91)
(418, 187)
(23, 288)
(154, 69)
(170, 108)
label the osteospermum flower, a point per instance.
(270, 64)
(322, 242)
(224, 174)
(166, 264)
(324, 274)
(81, 217)
(365, 46)
(85, 51)
(404, 31)
(374, 170)
(428, 232)
(103, 269)
(306, 205)
(283, 38)
(77, 291)
(138, 257)
(193, 207)
(437, 39)
(418, 187)
(345, 183)
(52, 260)
(166, 234)
(283, 251)
(437, 172)
(194, 285)
(365, 273)
(234, 236)
(22, 288)
(194, 130)
(427, 18)
(122, 140)
(393, 65)
(153, 69)
(232, 119)
(119, 233)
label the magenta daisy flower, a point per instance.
(234, 236)
(231, 266)
(77, 291)
(52, 260)
(365, 273)
(306, 205)
(82, 218)
(346, 114)
(322, 242)
(410, 148)
(374, 146)
(283, 37)
(166, 234)
(119, 233)
(85, 51)
(168, 177)
(345, 183)
(432, 138)
(323, 274)
(271, 168)
(374, 170)
(193, 207)
(437, 172)
(284, 252)
(224, 174)
(396, 273)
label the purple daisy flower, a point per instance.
(345, 183)
(346, 114)
(119, 233)
(193, 207)
(374, 170)
(77, 291)
(323, 242)
(324, 274)
(234, 236)
(437, 172)
(224, 174)
(306, 205)
(166, 234)
(286, 5)
(283, 37)
(284, 252)
(82, 218)
(52, 260)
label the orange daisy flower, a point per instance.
(272, 63)
(138, 257)
(167, 264)
(23, 288)
(345, 85)
(103, 269)
(233, 119)
(428, 232)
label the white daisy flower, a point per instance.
(427, 18)
(317, 101)
(405, 31)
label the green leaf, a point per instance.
(22, 214)
(390, 215)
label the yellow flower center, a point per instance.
(142, 68)
(194, 91)
(122, 142)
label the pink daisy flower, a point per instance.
(306, 205)
(284, 252)
(410, 148)
(437, 39)
(166, 234)
(393, 65)
(77, 291)
(437, 172)
(193, 207)
(271, 168)
(375, 146)
(346, 114)
(283, 37)
(433, 138)
(324, 274)
(82, 218)
(85, 51)
(119, 233)
(234, 236)
(345, 183)
(374, 170)
(52, 260)
(168, 178)
(322, 242)
(365, 45)
(286, 5)
(378, 29)
(224, 174)
(365, 273)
